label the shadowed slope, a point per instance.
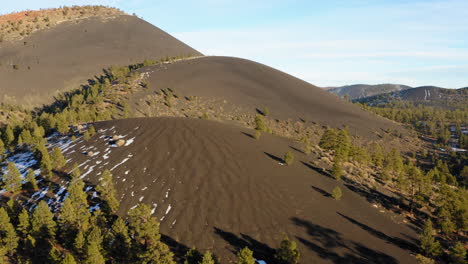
(66, 55)
(216, 188)
(253, 85)
(357, 91)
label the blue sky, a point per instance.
(327, 43)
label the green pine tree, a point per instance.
(193, 256)
(207, 258)
(93, 254)
(329, 139)
(288, 158)
(337, 193)
(8, 237)
(12, 179)
(107, 191)
(31, 180)
(42, 222)
(429, 245)
(75, 172)
(337, 171)
(58, 160)
(458, 253)
(245, 256)
(75, 214)
(68, 259)
(24, 224)
(287, 253)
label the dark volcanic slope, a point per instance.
(357, 91)
(66, 55)
(253, 85)
(216, 188)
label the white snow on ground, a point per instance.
(130, 141)
(133, 194)
(39, 194)
(133, 207)
(260, 261)
(94, 208)
(167, 193)
(144, 188)
(126, 173)
(141, 198)
(155, 205)
(23, 161)
(124, 179)
(87, 189)
(87, 172)
(168, 209)
(122, 162)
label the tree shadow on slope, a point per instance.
(247, 134)
(404, 244)
(321, 191)
(317, 169)
(273, 157)
(324, 241)
(261, 250)
(176, 247)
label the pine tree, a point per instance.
(46, 165)
(458, 253)
(24, 224)
(144, 227)
(337, 193)
(107, 191)
(12, 179)
(93, 254)
(287, 253)
(343, 146)
(207, 258)
(31, 179)
(75, 172)
(75, 213)
(2, 150)
(329, 139)
(337, 171)
(8, 137)
(68, 259)
(245, 256)
(121, 240)
(193, 256)
(445, 221)
(58, 160)
(429, 245)
(79, 242)
(157, 252)
(42, 222)
(8, 236)
(260, 124)
(288, 158)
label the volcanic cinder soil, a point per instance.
(215, 187)
(254, 86)
(65, 56)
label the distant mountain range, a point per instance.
(429, 95)
(358, 91)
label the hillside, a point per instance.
(72, 51)
(241, 87)
(358, 91)
(427, 95)
(214, 187)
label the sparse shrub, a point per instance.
(15, 66)
(287, 253)
(288, 158)
(458, 253)
(260, 124)
(266, 111)
(337, 171)
(257, 134)
(337, 193)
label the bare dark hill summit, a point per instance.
(38, 64)
(214, 187)
(251, 85)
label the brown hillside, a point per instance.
(62, 57)
(216, 188)
(255, 86)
